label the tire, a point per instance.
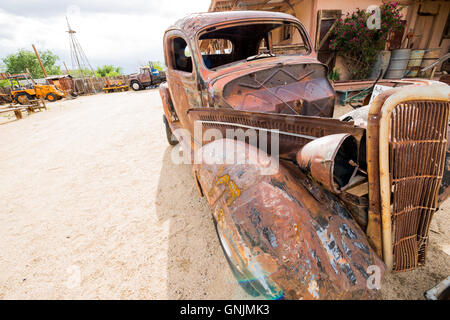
(171, 139)
(51, 97)
(22, 98)
(136, 86)
(239, 275)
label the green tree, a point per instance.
(108, 71)
(20, 61)
(3, 83)
(78, 73)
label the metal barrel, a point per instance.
(430, 56)
(381, 63)
(415, 60)
(397, 64)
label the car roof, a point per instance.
(196, 21)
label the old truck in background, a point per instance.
(147, 76)
(351, 198)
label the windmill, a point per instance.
(80, 62)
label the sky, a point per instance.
(125, 33)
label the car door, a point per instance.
(144, 77)
(182, 78)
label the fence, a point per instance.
(85, 86)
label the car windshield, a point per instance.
(228, 45)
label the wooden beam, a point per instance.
(39, 59)
(327, 35)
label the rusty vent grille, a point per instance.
(417, 146)
(296, 130)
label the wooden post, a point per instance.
(312, 27)
(40, 62)
(67, 70)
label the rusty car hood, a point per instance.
(283, 84)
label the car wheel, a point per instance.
(169, 135)
(135, 86)
(22, 98)
(51, 97)
(240, 276)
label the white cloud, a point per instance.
(123, 33)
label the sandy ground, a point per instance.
(92, 207)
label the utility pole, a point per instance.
(67, 70)
(40, 62)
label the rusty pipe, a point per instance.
(328, 160)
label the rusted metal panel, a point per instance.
(294, 131)
(289, 236)
(292, 89)
(373, 231)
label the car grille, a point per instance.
(417, 146)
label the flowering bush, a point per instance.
(354, 40)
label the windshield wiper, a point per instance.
(260, 56)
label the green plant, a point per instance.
(108, 71)
(334, 74)
(79, 73)
(25, 59)
(360, 45)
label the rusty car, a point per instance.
(351, 198)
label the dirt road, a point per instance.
(91, 207)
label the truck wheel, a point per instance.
(22, 98)
(238, 274)
(136, 86)
(171, 139)
(51, 97)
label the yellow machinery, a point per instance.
(114, 86)
(22, 93)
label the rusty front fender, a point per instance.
(169, 112)
(289, 237)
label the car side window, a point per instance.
(180, 57)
